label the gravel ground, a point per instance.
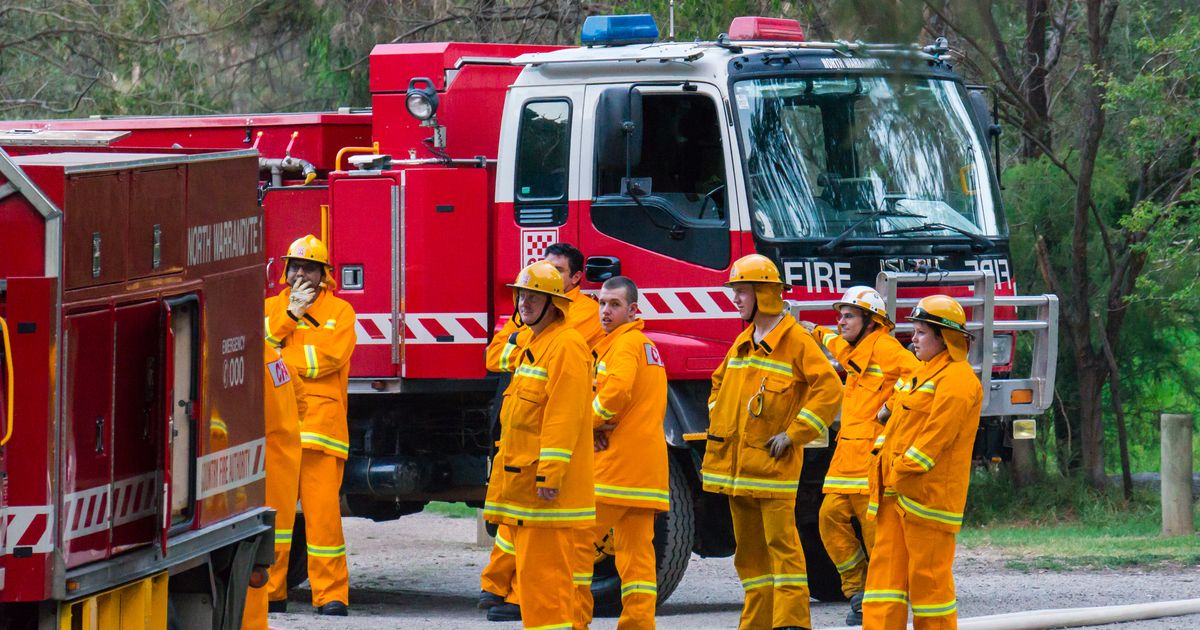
(422, 571)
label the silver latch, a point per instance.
(95, 254)
(157, 245)
(352, 277)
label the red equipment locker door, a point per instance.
(361, 223)
(137, 388)
(444, 271)
(87, 437)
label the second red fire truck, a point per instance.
(845, 163)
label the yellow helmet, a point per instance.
(768, 286)
(309, 248)
(869, 300)
(542, 277)
(946, 313)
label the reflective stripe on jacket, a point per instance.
(631, 392)
(584, 316)
(872, 366)
(317, 349)
(546, 441)
(925, 460)
(787, 381)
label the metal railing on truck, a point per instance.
(1012, 396)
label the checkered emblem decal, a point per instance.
(534, 244)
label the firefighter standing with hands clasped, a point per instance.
(774, 393)
(541, 481)
(919, 480)
(314, 331)
(499, 591)
(873, 360)
(631, 457)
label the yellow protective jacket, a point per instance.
(925, 451)
(872, 366)
(584, 316)
(631, 392)
(317, 349)
(799, 392)
(547, 437)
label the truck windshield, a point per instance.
(868, 156)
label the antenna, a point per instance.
(671, 22)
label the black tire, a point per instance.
(298, 556)
(674, 532)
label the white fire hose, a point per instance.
(1075, 617)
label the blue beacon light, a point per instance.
(618, 30)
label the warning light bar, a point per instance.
(765, 29)
(619, 30)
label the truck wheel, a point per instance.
(674, 532)
(298, 554)
(824, 582)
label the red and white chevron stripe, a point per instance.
(423, 328)
(29, 527)
(686, 303)
(96, 509)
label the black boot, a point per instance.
(488, 599)
(854, 617)
(277, 606)
(504, 612)
(334, 609)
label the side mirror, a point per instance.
(619, 129)
(983, 114)
(601, 268)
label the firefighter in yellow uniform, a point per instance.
(282, 414)
(774, 392)
(499, 593)
(314, 331)
(541, 481)
(873, 361)
(919, 480)
(631, 457)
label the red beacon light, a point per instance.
(765, 29)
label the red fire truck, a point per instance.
(845, 163)
(132, 451)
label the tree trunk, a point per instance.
(1091, 418)
(1034, 86)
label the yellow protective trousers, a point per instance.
(320, 482)
(499, 577)
(837, 534)
(770, 563)
(910, 565)
(281, 420)
(544, 558)
(633, 546)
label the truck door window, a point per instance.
(543, 163)
(683, 213)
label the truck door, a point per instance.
(87, 437)
(677, 239)
(537, 196)
(136, 427)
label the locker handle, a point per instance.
(8, 418)
(100, 434)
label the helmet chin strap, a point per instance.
(753, 313)
(542, 315)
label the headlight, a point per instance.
(1002, 349)
(421, 102)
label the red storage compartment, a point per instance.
(87, 437)
(95, 229)
(444, 272)
(156, 222)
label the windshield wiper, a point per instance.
(881, 212)
(980, 243)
